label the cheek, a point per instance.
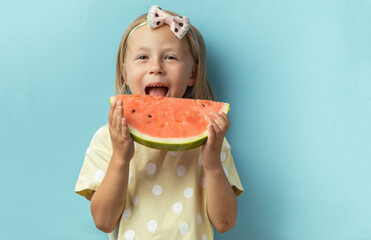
(185, 71)
(183, 77)
(130, 72)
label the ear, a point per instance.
(192, 80)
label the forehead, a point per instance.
(145, 37)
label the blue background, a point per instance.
(297, 75)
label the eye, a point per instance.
(142, 57)
(170, 58)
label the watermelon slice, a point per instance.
(172, 124)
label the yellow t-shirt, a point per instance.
(166, 197)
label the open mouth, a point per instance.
(156, 89)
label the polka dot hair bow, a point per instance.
(157, 17)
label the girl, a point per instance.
(142, 193)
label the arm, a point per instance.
(221, 200)
(108, 202)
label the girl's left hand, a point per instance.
(212, 147)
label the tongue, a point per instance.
(157, 91)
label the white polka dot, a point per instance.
(151, 225)
(151, 168)
(204, 237)
(174, 154)
(157, 190)
(130, 177)
(203, 182)
(129, 235)
(178, 207)
(188, 192)
(199, 160)
(225, 171)
(223, 156)
(126, 214)
(183, 228)
(199, 219)
(181, 170)
(99, 175)
(135, 200)
(88, 150)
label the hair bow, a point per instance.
(178, 25)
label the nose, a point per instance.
(156, 67)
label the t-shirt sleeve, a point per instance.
(97, 158)
(230, 169)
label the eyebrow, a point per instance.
(169, 48)
(141, 48)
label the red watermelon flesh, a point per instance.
(167, 123)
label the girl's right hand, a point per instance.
(122, 142)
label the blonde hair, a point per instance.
(201, 88)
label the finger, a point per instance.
(214, 124)
(118, 118)
(110, 114)
(226, 120)
(125, 129)
(219, 120)
(211, 136)
(116, 115)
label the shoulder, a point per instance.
(102, 131)
(101, 138)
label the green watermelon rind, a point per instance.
(173, 144)
(169, 146)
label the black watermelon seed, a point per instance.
(158, 23)
(203, 105)
(150, 116)
(133, 110)
(176, 30)
(156, 15)
(160, 8)
(181, 24)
